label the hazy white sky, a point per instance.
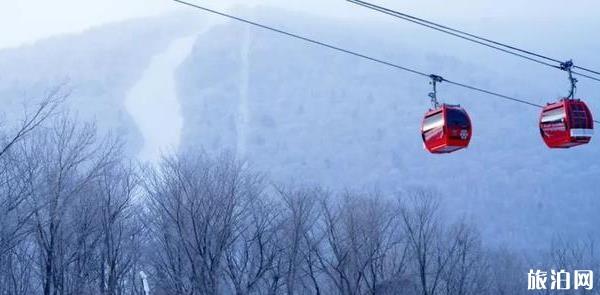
(24, 21)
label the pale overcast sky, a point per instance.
(24, 21)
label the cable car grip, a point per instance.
(433, 95)
(568, 67)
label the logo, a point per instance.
(560, 280)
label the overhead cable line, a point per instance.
(509, 49)
(357, 54)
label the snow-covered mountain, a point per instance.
(306, 114)
(99, 67)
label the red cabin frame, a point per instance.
(566, 123)
(446, 129)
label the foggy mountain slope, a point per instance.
(303, 113)
(317, 116)
(100, 66)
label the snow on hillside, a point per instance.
(317, 116)
(306, 114)
(153, 104)
(100, 66)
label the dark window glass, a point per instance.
(457, 118)
(578, 117)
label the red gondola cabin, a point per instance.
(566, 123)
(446, 129)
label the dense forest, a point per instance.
(78, 216)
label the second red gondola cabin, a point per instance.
(566, 123)
(446, 129)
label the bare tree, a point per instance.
(570, 255)
(16, 269)
(507, 272)
(198, 206)
(468, 269)
(33, 119)
(121, 232)
(420, 216)
(76, 218)
(252, 253)
(70, 156)
(16, 175)
(361, 236)
(295, 265)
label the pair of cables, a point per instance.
(483, 41)
(434, 78)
